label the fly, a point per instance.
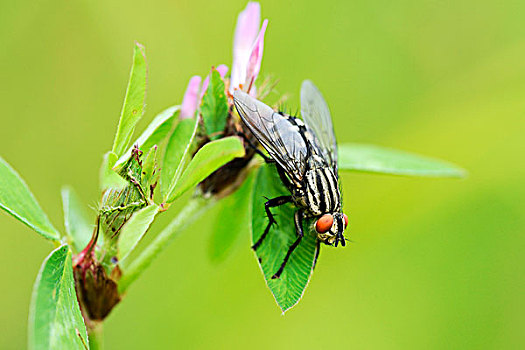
(305, 154)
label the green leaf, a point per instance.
(78, 227)
(134, 101)
(134, 230)
(375, 159)
(155, 133)
(17, 200)
(289, 288)
(149, 169)
(209, 158)
(233, 219)
(55, 321)
(109, 178)
(177, 152)
(214, 107)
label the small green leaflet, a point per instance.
(155, 133)
(55, 321)
(108, 177)
(376, 159)
(134, 230)
(149, 169)
(134, 102)
(289, 288)
(178, 150)
(209, 158)
(17, 200)
(78, 227)
(214, 108)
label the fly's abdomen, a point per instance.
(322, 191)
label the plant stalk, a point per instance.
(95, 335)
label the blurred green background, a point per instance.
(434, 263)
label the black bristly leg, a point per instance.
(317, 251)
(299, 231)
(274, 202)
(282, 175)
(255, 148)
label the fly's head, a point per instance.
(330, 228)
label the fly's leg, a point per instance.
(255, 148)
(299, 231)
(317, 251)
(282, 175)
(274, 202)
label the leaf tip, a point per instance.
(139, 46)
(461, 173)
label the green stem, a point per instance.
(194, 209)
(96, 336)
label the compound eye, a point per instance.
(324, 223)
(346, 220)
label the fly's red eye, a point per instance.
(324, 223)
(346, 220)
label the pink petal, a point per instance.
(254, 63)
(245, 33)
(190, 100)
(222, 69)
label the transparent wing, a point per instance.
(316, 116)
(276, 134)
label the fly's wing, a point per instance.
(316, 115)
(276, 134)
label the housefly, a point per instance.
(305, 154)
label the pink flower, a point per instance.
(247, 47)
(191, 98)
(254, 62)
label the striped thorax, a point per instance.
(322, 192)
